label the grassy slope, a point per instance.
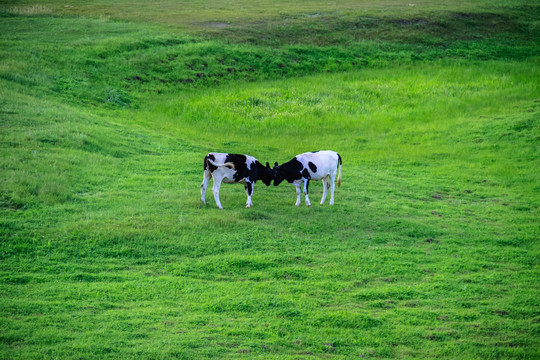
(430, 251)
(95, 61)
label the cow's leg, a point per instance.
(298, 191)
(332, 188)
(306, 186)
(326, 185)
(215, 190)
(206, 180)
(249, 192)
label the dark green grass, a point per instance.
(106, 251)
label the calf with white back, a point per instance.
(233, 168)
(318, 165)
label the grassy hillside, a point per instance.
(107, 111)
(98, 61)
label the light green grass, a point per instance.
(429, 251)
(106, 252)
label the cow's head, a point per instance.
(278, 175)
(267, 175)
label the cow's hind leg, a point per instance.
(306, 186)
(326, 185)
(215, 190)
(332, 188)
(249, 192)
(206, 180)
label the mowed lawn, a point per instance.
(107, 252)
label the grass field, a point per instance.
(430, 251)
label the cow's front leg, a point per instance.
(306, 186)
(298, 191)
(249, 192)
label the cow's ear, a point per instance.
(276, 164)
(267, 165)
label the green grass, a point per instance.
(431, 250)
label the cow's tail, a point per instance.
(339, 171)
(227, 164)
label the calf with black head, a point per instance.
(233, 168)
(318, 165)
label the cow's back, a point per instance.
(320, 163)
(244, 166)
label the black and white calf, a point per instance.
(233, 168)
(318, 165)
